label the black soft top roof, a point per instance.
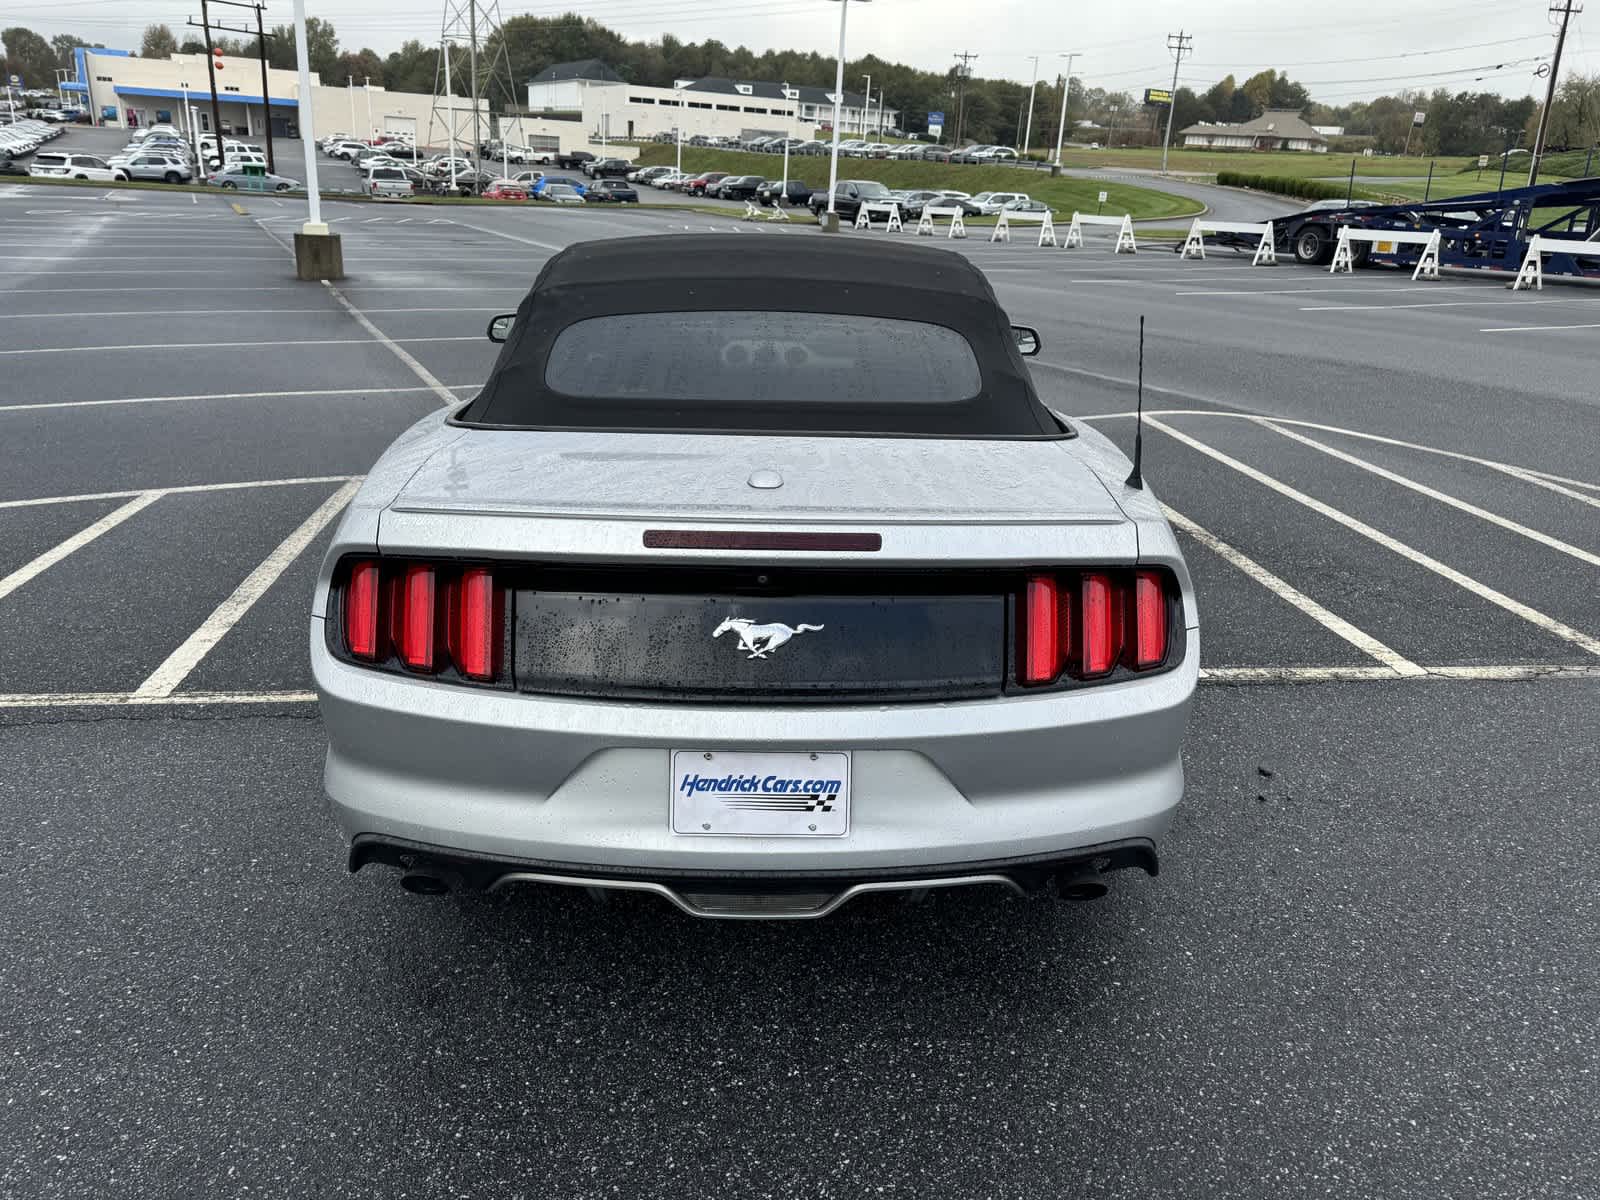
(851, 275)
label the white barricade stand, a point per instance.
(1194, 246)
(1002, 228)
(868, 207)
(1427, 265)
(1532, 272)
(927, 228)
(1124, 224)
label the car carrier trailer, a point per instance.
(1489, 231)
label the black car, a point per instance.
(607, 168)
(611, 191)
(848, 196)
(572, 160)
(795, 193)
(739, 187)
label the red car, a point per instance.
(505, 189)
(697, 185)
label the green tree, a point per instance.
(64, 44)
(30, 56)
(322, 44)
(360, 65)
(158, 42)
(411, 68)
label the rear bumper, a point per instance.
(581, 785)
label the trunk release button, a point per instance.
(765, 479)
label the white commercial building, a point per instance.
(124, 91)
(591, 101)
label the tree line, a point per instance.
(988, 110)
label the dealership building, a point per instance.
(125, 91)
(606, 107)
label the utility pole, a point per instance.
(261, 36)
(472, 42)
(1180, 44)
(866, 106)
(962, 72)
(266, 98)
(1565, 10)
(1027, 138)
(211, 70)
(1066, 87)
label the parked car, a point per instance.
(74, 165)
(607, 168)
(347, 149)
(549, 181)
(612, 191)
(647, 174)
(669, 181)
(992, 154)
(251, 178)
(572, 160)
(961, 200)
(848, 196)
(1014, 695)
(505, 189)
(155, 164)
(1027, 206)
(934, 154)
(990, 203)
(560, 193)
(914, 200)
(737, 187)
(528, 178)
(696, 185)
(966, 153)
(794, 194)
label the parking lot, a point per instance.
(1366, 967)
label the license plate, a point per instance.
(1384, 247)
(745, 794)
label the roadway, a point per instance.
(1364, 969)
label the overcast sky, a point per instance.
(1377, 46)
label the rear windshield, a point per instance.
(49, 160)
(783, 358)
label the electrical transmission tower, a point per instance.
(473, 65)
(1564, 9)
(1179, 43)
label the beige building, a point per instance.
(123, 91)
(587, 102)
(1275, 129)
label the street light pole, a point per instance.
(366, 86)
(1027, 138)
(350, 90)
(866, 105)
(838, 107)
(1066, 88)
(791, 96)
(680, 131)
(308, 133)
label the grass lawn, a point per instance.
(1280, 162)
(1063, 194)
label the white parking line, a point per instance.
(1543, 479)
(1483, 591)
(1535, 328)
(514, 237)
(392, 391)
(219, 312)
(1452, 304)
(1422, 489)
(1394, 663)
(236, 345)
(181, 489)
(1434, 287)
(77, 541)
(178, 665)
(445, 395)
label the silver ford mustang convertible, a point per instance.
(757, 577)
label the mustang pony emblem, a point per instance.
(761, 640)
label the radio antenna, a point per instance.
(1135, 479)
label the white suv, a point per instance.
(67, 165)
(990, 203)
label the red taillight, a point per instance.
(416, 618)
(1102, 625)
(1150, 621)
(473, 624)
(427, 615)
(361, 610)
(1041, 625)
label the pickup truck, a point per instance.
(389, 183)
